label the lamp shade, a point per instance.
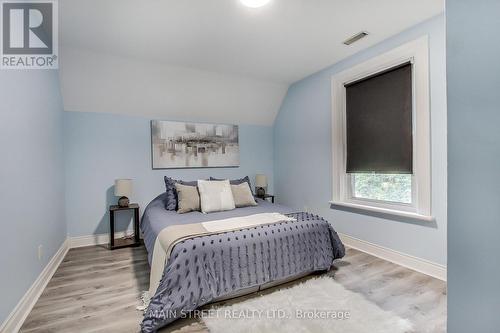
(260, 180)
(123, 187)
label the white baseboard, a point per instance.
(17, 317)
(417, 264)
(98, 239)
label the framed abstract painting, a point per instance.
(193, 145)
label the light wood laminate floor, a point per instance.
(97, 290)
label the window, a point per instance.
(382, 187)
(381, 133)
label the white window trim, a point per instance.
(417, 52)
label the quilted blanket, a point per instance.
(203, 268)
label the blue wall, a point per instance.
(473, 74)
(31, 182)
(303, 159)
(102, 147)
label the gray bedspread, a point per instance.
(204, 268)
(156, 217)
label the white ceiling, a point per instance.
(254, 54)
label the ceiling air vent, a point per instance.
(355, 38)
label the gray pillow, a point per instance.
(242, 195)
(171, 199)
(245, 179)
(188, 198)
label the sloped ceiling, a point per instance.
(211, 60)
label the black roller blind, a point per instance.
(379, 122)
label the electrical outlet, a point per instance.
(40, 252)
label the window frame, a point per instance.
(416, 52)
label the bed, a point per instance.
(200, 258)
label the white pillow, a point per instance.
(215, 196)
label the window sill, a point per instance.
(398, 213)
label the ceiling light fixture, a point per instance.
(255, 3)
(356, 37)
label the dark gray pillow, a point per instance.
(171, 200)
(237, 181)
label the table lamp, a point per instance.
(123, 189)
(260, 185)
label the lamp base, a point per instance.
(123, 202)
(260, 192)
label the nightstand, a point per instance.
(266, 196)
(120, 243)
